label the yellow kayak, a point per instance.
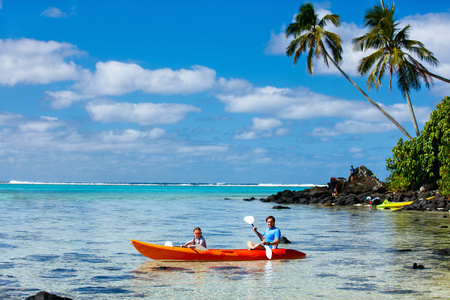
(393, 205)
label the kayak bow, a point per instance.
(158, 252)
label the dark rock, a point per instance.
(303, 201)
(362, 171)
(444, 226)
(250, 199)
(351, 200)
(281, 207)
(314, 200)
(317, 191)
(284, 240)
(46, 296)
(445, 252)
(416, 266)
(428, 187)
(364, 185)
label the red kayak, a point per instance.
(159, 252)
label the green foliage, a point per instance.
(425, 159)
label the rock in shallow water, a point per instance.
(46, 296)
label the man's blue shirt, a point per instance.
(271, 234)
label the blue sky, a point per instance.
(194, 91)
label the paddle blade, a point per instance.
(268, 252)
(168, 244)
(200, 247)
(249, 220)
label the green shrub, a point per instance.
(425, 159)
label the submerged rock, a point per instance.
(445, 252)
(284, 240)
(417, 266)
(281, 207)
(43, 295)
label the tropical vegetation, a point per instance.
(415, 162)
(393, 55)
(424, 159)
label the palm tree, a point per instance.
(310, 37)
(392, 47)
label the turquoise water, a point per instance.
(74, 241)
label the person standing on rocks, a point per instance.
(352, 174)
(333, 187)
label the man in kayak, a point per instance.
(270, 237)
(197, 240)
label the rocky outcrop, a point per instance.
(366, 188)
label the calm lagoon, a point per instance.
(74, 241)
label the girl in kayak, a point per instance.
(271, 236)
(197, 240)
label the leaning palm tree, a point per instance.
(310, 37)
(392, 55)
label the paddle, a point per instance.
(250, 220)
(199, 247)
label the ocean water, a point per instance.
(74, 241)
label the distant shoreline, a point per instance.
(17, 182)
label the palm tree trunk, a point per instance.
(413, 116)
(438, 77)
(370, 100)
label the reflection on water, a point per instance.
(225, 278)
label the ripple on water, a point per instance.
(61, 273)
(6, 265)
(112, 278)
(41, 257)
(83, 257)
(101, 290)
(7, 246)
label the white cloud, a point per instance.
(43, 125)
(233, 85)
(142, 113)
(37, 62)
(432, 30)
(22, 138)
(130, 135)
(202, 150)
(23, 124)
(352, 127)
(53, 12)
(117, 78)
(356, 152)
(259, 100)
(8, 119)
(277, 44)
(302, 104)
(261, 128)
(265, 123)
(64, 99)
